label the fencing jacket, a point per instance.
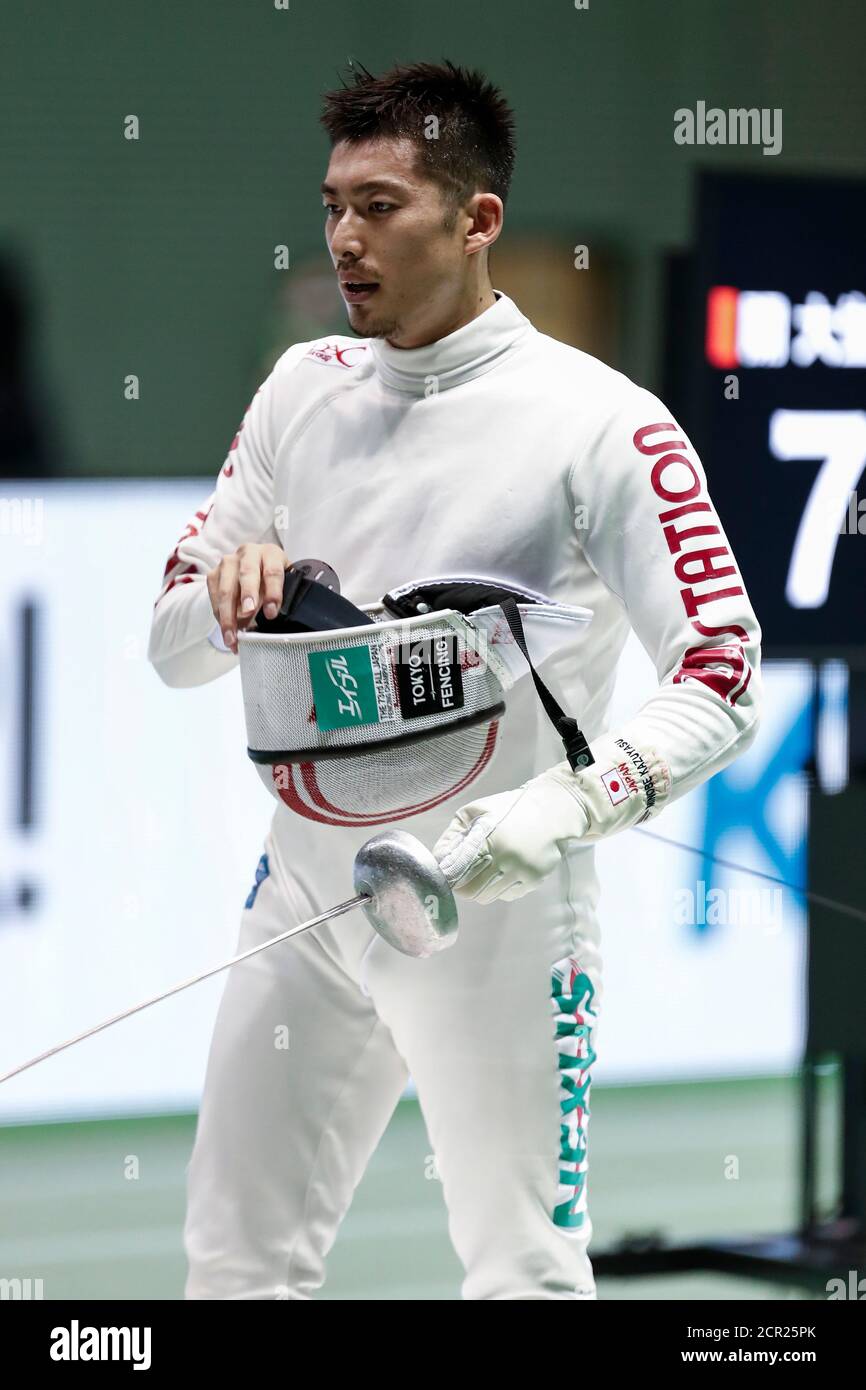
(495, 451)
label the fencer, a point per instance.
(444, 434)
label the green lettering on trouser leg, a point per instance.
(571, 999)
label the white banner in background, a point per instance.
(132, 823)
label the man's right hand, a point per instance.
(243, 583)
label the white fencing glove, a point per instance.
(502, 846)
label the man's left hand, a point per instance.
(502, 846)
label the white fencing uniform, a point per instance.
(495, 451)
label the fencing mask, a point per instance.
(359, 716)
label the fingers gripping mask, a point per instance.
(359, 716)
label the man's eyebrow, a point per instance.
(387, 185)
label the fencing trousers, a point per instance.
(313, 1044)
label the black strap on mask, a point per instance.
(465, 596)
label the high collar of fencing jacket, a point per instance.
(468, 352)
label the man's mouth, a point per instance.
(357, 291)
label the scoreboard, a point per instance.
(765, 366)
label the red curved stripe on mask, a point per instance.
(290, 797)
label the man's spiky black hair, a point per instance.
(468, 148)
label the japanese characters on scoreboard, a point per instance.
(767, 371)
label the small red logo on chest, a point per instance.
(333, 355)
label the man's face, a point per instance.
(399, 268)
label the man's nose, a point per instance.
(346, 239)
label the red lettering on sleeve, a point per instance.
(664, 490)
(705, 560)
(675, 538)
(644, 448)
(724, 669)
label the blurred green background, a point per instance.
(155, 256)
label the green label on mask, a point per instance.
(344, 690)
